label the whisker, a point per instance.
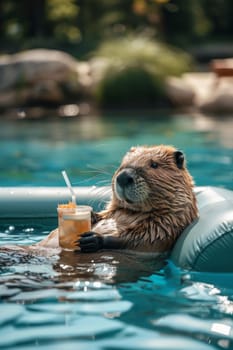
(100, 194)
(95, 175)
(99, 177)
(103, 182)
(93, 180)
(101, 170)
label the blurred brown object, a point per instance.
(222, 67)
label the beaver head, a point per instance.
(153, 179)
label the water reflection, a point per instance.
(18, 265)
(109, 267)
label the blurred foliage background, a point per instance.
(79, 26)
(131, 45)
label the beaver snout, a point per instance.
(125, 178)
(124, 184)
(130, 187)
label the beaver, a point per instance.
(152, 203)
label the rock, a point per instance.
(220, 99)
(202, 84)
(84, 73)
(47, 76)
(179, 92)
(203, 91)
(14, 97)
(47, 91)
(42, 112)
(212, 94)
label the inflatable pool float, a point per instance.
(205, 245)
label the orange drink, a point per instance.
(72, 222)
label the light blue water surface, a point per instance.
(90, 148)
(109, 300)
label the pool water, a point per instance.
(110, 300)
(33, 153)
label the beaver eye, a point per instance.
(154, 165)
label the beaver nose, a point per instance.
(125, 178)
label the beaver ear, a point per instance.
(179, 159)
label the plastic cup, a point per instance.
(72, 222)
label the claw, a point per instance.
(90, 242)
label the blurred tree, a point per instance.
(62, 16)
(220, 13)
(176, 21)
(39, 18)
(33, 15)
(150, 10)
(90, 14)
(22, 19)
(184, 21)
(9, 22)
(1, 16)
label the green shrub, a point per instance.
(134, 70)
(128, 86)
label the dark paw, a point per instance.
(90, 242)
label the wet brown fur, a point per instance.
(165, 202)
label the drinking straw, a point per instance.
(67, 181)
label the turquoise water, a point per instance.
(108, 300)
(33, 152)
